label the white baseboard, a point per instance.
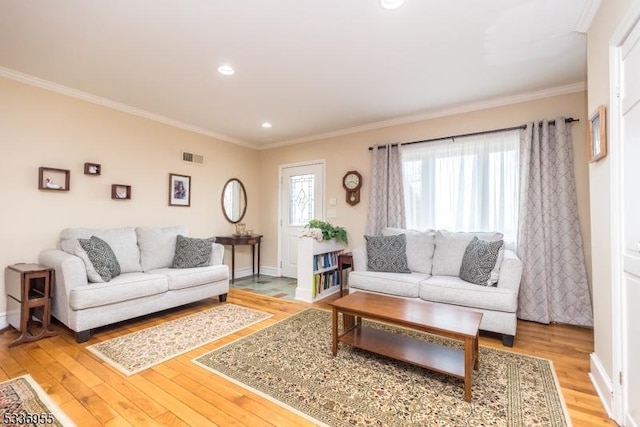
(3, 320)
(269, 271)
(246, 271)
(602, 384)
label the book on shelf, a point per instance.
(327, 260)
(324, 281)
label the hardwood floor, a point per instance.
(178, 393)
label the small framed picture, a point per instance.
(179, 190)
(598, 135)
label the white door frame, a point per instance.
(321, 162)
(617, 409)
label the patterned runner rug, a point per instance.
(290, 363)
(24, 402)
(140, 350)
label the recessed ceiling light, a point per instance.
(391, 4)
(226, 70)
(266, 125)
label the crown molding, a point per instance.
(84, 96)
(467, 108)
(497, 102)
(586, 15)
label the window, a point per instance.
(463, 184)
(301, 199)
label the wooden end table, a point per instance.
(30, 288)
(436, 319)
(345, 260)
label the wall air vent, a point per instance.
(197, 159)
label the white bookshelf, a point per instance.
(318, 275)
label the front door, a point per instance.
(301, 200)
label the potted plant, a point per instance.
(322, 230)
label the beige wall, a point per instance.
(43, 128)
(609, 16)
(350, 152)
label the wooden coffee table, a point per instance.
(436, 319)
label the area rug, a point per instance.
(24, 402)
(290, 363)
(142, 349)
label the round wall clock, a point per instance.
(352, 182)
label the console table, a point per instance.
(253, 240)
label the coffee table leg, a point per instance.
(334, 342)
(469, 347)
(476, 365)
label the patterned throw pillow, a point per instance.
(102, 257)
(479, 260)
(387, 253)
(191, 252)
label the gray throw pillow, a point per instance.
(102, 257)
(387, 253)
(191, 252)
(479, 260)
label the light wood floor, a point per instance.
(177, 392)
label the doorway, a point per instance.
(301, 200)
(625, 208)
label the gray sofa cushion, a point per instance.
(122, 241)
(158, 245)
(192, 252)
(450, 247)
(75, 249)
(399, 284)
(479, 260)
(453, 290)
(182, 278)
(420, 246)
(122, 288)
(387, 253)
(102, 258)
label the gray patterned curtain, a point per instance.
(386, 201)
(554, 285)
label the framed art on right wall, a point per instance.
(598, 135)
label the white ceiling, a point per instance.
(310, 67)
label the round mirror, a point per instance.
(234, 200)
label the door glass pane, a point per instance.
(301, 199)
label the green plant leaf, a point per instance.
(329, 231)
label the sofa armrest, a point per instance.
(359, 258)
(217, 254)
(70, 273)
(510, 271)
(70, 269)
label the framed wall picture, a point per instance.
(179, 190)
(598, 135)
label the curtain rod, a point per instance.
(551, 122)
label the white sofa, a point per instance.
(434, 258)
(146, 284)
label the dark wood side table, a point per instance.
(29, 291)
(345, 260)
(253, 240)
